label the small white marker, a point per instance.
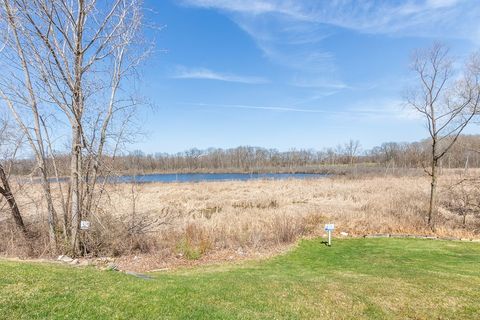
(84, 225)
(329, 228)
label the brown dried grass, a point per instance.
(191, 219)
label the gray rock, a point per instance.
(65, 259)
(83, 263)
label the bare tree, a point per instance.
(446, 100)
(352, 148)
(72, 64)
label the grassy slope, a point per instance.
(357, 278)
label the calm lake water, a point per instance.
(198, 177)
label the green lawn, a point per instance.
(353, 279)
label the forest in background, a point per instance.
(388, 156)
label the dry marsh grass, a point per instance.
(190, 219)
(213, 216)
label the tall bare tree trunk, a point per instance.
(75, 188)
(38, 146)
(78, 107)
(8, 195)
(433, 172)
(52, 214)
(433, 191)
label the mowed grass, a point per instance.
(353, 279)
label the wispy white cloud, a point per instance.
(252, 107)
(365, 110)
(319, 83)
(441, 3)
(292, 33)
(282, 30)
(413, 17)
(255, 7)
(293, 44)
(382, 109)
(207, 74)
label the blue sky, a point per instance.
(291, 73)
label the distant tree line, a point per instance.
(464, 154)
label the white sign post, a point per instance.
(84, 225)
(329, 228)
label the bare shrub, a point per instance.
(462, 199)
(115, 235)
(313, 223)
(194, 243)
(13, 243)
(286, 229)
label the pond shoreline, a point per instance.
(211, 177)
